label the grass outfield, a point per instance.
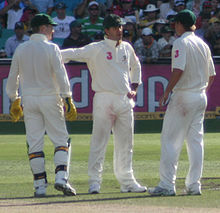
(16, 181)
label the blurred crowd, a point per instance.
(149, 23)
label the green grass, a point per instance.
(16, 181)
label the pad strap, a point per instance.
(61, 148)
(61, 168)
(39, 176)
(36, 155)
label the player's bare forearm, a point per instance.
(175, 77)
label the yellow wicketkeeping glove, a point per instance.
(16, 110)
(70, 109)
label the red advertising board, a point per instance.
(154, 77)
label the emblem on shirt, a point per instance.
(109, 55)
(124, 58)
(176, 54)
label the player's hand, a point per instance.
(16, 110)
(163, 100)
(132, 94)
(70, 109)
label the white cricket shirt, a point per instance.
(192, 55)
(112, 67)
(37, 64)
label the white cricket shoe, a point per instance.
(40, 191)
(135, 187)
(65, 187)
(94, 188)
(159, 191)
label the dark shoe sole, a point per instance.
(94, 192)
(39, 195)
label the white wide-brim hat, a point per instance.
(151, 8)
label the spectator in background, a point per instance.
(115, 7)
(166, 42)
(171, 13)
(215, 7)
(43, 6)
(195, 6)
(179, 5)
(212, 35)
(151, 15)
(204, 25)
(92, 24)
(70, 5)
(141, 5)
(14, 11)
(130, 26)
(170, 19)
(82, 11)
(165, 7)
(19, 37)
(146, 47)
(76, 37)
(206, 9)
(26, 18)
(62, 30)
(157, 28)
(127, 10)
(4, 3)
(3, 54)
(2, 22)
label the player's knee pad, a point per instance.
(37, 162)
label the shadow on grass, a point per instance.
(77, 201)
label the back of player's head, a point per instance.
(42, 19)
(186, 17)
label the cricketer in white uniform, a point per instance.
(37, 66)
(116, 74)
(192, 74)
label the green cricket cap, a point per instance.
(113, 20)
(42, 19)
(185, 17)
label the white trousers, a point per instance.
(183, 120)
(45, 114)
(112, 112)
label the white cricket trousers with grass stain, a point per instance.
(183, 120)
(112, 112)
